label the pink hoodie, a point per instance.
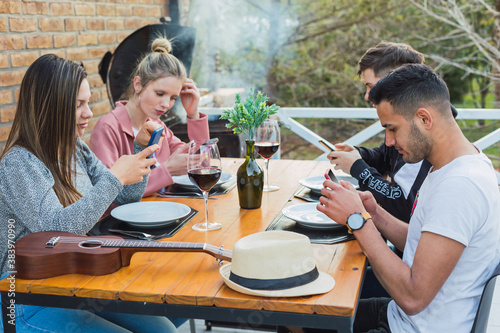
(113, 137)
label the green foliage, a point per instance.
(304, 53)
(246, 117)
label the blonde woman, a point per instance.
(156, 82)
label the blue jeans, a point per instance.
(30, 318)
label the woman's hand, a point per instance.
(142, 138)
(190, 96)
(131, 169)
(177, 162)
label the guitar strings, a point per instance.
(108, 242)
(79, 239)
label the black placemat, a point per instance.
(323, 236)
(102, 227)
(176, 190)
(307, 194)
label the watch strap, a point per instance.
(366, 216)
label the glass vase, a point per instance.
(250, 180)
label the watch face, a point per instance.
(355, 221)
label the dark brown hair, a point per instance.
(45, 121)
(386, 56)
(410, 87)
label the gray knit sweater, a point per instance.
(29, 204)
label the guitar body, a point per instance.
(35, 261)
(50, 253)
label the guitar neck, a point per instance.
(133, 246)
(152, 244)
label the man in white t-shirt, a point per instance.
(452, 244)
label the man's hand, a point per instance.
(344, 147)
(130, 169)
(339, 201)
(369, 202)
(344, 157)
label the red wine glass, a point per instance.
(204, 171)
(267, 143)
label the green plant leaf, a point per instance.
(246, 117)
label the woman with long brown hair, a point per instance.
(50, 180)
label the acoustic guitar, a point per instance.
(50, 253)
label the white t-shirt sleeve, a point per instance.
(457, 203)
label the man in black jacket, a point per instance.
(371, 166)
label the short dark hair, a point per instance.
(410, 87)
(387, 56)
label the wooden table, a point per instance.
(189, 285)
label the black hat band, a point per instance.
(275, 284)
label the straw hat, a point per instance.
(275, 263)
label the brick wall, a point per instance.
(77, 30)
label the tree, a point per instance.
(305, 53)
(299, 52)
(471, 25)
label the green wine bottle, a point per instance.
(250, 178)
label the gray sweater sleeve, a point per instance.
(27, 186)
(96, 169)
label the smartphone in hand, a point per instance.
(327, 145)
(330, 176)
(155, 138)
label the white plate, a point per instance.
(309, 217)
(184, 180)
(150, 213)
(316, 183)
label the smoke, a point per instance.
(232, 42)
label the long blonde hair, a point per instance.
(155, 65)
(45, 121)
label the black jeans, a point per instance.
(371, 286)
(371, 316)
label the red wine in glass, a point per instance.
(267, 143)
(204, 170)
(204, 178)
(267, 149)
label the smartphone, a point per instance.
(327, 145)
(211, 141)
(329, 175)
(155, 138)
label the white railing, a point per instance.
(286, 116)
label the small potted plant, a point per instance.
(245, 118)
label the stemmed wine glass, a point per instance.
(204, 170)
(267, 143)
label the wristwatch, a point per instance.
(356, 221)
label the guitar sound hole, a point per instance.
(90, 244)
